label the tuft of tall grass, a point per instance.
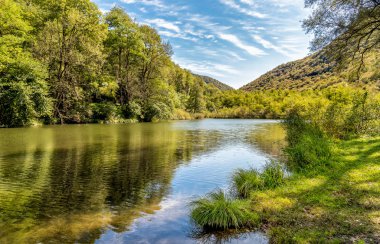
(217, 211)
(273, 175)
(246, 181)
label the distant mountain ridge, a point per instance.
(313, 72)
(218, 84)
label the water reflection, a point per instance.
(116, 182)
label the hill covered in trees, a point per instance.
(218, 84)
(316, 72)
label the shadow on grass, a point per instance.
(338, 204)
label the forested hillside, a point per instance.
(316, 72)
(209, 80)
(66, 62)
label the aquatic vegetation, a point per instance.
(219, 211)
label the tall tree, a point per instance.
(350, 27)
(23, 91)
(124, 49)
(70, 43)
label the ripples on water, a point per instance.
(123, 183)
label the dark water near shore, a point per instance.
(123, 183)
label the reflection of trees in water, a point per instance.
(69, 188)
(269, 138)
(227, 236)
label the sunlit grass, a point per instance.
(246, 181)
(218, 211)
(339, 204)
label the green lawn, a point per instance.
(338, 204)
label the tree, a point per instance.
(124, 48)
(23, 90)
(71, 44)
(196, 103)
(350, 27)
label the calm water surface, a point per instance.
(123, 183)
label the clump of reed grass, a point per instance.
(246, 181)
(218, 211)
(273, 175)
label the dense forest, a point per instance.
(318, 71)
(65, 62)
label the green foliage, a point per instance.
(246, 181)
(219, 85)
(87, 66)
(217, 211)
(104, 111)
(70, 44)
(348, 30)
(318, 72)
(21, 104)
(250, 180)
(308, 145)
(154, 110)
(23, 92)
(273, 175)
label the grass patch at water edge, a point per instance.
(218, 211)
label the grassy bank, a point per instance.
(338, 203)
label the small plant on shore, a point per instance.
(217, 211)
(273, 175)
(246, 181)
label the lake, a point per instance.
(127, 183)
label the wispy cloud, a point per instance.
(214, 69)
(157, 3)
(177, 35)
(232, 4)
(161, 23)
(254, 51)
(268, 45)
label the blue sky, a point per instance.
(234, 41)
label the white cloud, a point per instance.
(216, 70)
(268, 45)
(289, 47)
(156, 3)
(232, 4)
(254, 51)
(177, 35)
(161, 23)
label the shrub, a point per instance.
(132, 110)
(104, 111)
(308, 146)
(217, 211)
(154, 110)
(246, 181)
(22, 103)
